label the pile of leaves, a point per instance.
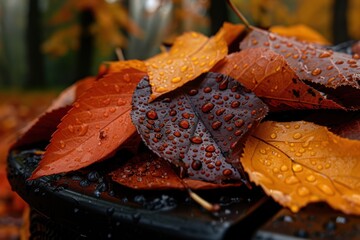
(243, 106)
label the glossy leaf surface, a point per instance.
(98, 122)
(197, 126)
(269, 76)
(299, 162)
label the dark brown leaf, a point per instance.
(197, 126)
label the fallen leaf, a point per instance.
(300, 162)
(191, 55)
(197, 126)
(333, 73)
(118, 66)
(300, 32)
(269, 76)
(231, 33)
(147, 171)
(94, 127)
(41, 128)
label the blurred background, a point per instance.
(46, 45)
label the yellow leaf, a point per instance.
(300, 162)
(191, 55)
(300, 32)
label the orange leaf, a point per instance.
(301, 162)
(118, 66)
(96, 125)
(300, 32)
(191, 55)
(231, 32)
(272, 79)
(333, 73)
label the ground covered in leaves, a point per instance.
(17, 108)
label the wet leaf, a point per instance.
(198, 125)
(147, 171)
(95, 126)
(191, 55)
(41, 128)
(335, 74)
(299, 162)
(118, 66)
(300, 32)
(272, 79)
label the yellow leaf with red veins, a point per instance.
(191, 55)
(300, 162)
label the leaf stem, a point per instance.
(119, 54)
(205, 204)
(239, 14)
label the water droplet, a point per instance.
(62, 144)
(176, 79)
(112, 109)
(207, 107)
(183, 68)
(297, 167)
(284, 168)
(220, 111)
(83, 129)
(326, 189)
(262, 151)
(227, 172)
(228, 117)
(106, 101)
(193, 92)
(216, 125)
(303, 191)
(297, 135)
(325, 54)
(196, 140)
(291, 180)
(152, 115)
(196, 165)
(224, 84)
(207, 90)
(210, 148)
(310, 178)
(184, 124)
(121, 102)
(161, 89)
(273, 136)
(239, 123)
(71, 128)
(235, 104)
(316, 72)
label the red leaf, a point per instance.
(198, 125)
(146, 171)
(96, 125)
(334, 73)
(268, 75)
(41, 129)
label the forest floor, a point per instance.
(17, 109)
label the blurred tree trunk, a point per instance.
(86, 46)
(340, 28)
(218, 15)
(35, 61)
